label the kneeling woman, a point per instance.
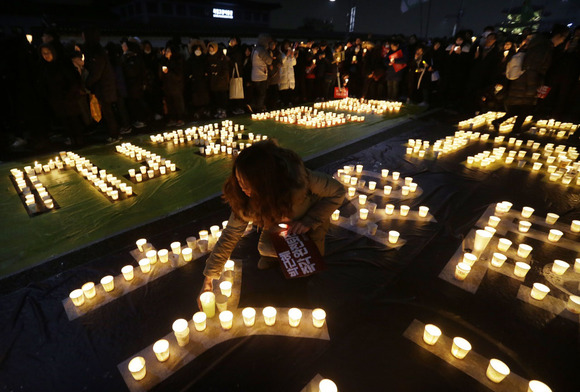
(270, 185)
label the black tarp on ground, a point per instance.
(371, 295)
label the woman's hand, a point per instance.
(207, 286)
(298, 228)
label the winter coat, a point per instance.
(219, 72)
(134, 71)
(101, 79)
(261, 59)
(312, 207)
(62, 87)
(173, 80)
(287, 80)
(524, 90)
(198, 79)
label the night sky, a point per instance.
(385, 17)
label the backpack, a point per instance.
(514, 68)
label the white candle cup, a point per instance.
(482, 238)
(384, 173)
(493, 221)
(560, 267)
(191, 242)
(573, 304)
(140, 244)
(524, 250)
(460, 347)
(221, 302)
(353, 181)
(362, 200)
(498, 259)
(145, 265)
(161, 350)
(387, 189)
(521, 269)
(226, 288)
(207, 300)
(181, 331)
(138, 177)
(393, 236)
(363, 213)
(413, 187)
(389, 209)
(187, 254)
(214, 230)
(524, 226)
(539, 291)
(203, 245)
(372, 185)
(204, 235)
(405, 190)
(318, 317)
(507, 205)
(127, 272)
(431, 334)
(503, 244)
(372, 228)
(575, 226)
(497, 370)
(327, 385)
(551, 218)
(537, 166)
(108, 283)
(199, 321)
(269, 313)
(89, 290)
(176, 247)
(131, 173)
(395, 175)
(137, 368)
(249, 316)
(229, 265)
(77, 297)
(469, 259)
(555, 235)
(226, 319)
(527, 212)
(152, 256)
(294, 317)
(359, 169)
(351, 191)
(461, 271)
(335, 215)
(538, 386)
(408, 180)
(128, 190)
(163, 255)
(404, 210)
(577, 266)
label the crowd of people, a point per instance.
(126, 85)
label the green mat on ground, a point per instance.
(87, 216)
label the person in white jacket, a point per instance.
(287, 81)
(261, 62)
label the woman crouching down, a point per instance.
(270, 185)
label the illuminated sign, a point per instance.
(223, 14)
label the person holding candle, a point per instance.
(269, 185)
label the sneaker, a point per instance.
(238, 111)
(139, 124)
(125, 130)
(266, 262)
(113, 139)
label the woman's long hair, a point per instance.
(273, 174)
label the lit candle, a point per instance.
(163, 255)
(187, 254)
(127, 272)
(137, 368)
(560, 267)
(249, 316)
(393, 236)
(575, 226)
(524, 250)
(555, 235)
(226, 288)
(493, 221)
(498, 259)
(482, 238)
(551, 218)
(152, 256)
(318, 317)
(269, 314)
(527, 212)
(203, 245)
(573, 304)
(387, 189)
(521, 269)
(469, 259)
(431, 334)
(89, 290)
(405, 190)
(539, 291)
(226, 319)
(294, 317)
(327, 385)
(207, 300)
(351, 191)
(577, 266)
(384, 173)
(538, 386)
(108, 283)
(335, 215)
(181, 331)
(460, 347)
(161, 350)
(204, 235)
(214, 230)
(423, 211)
(145, 265)
(77, 297)
(524, 226)
(503, 244)
(229, 265)
(176, 247)
(462, 270)
(404, 210)
(372, 185)
(364, 213)
(359, 169)
(497, 370)
(140, 244)
(199, 321)
(362, 199)
(396, 175)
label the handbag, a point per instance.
(236, 84)
(95, 108)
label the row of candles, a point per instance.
(156, 165)
(479, 121)
(202, 133)
(181, 330)
(32, 204)
(444, 146)
(307, 116)
(360, 106)
(88, 290)
(496, 370)
(105, 182)
(349, 175)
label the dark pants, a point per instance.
(260, 89)
(175, 106)
(393, 89)
(108, 115)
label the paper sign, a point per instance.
(298, 254)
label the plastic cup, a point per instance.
(127, 272)
(521, 269)
(161, 350)
(498, 260)
(393, 236)
(555, 235)
(497, 370)
(199, 321)
(524, 226)
(461, 271)
(524, 250)
(318, 317)
(269, 313)
(89, 290)
(226, 319)
(460, 347)
(469, 258)
(423, 211)
(431, 334)
(551, 218)
(77, 297)
(560, 267)
(137, 368)
(249, 316)
(539, 291)
(503, 244)
(145, 265)
(187, 254)
(108, 283)
(163, 255)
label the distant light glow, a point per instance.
(223, 13)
